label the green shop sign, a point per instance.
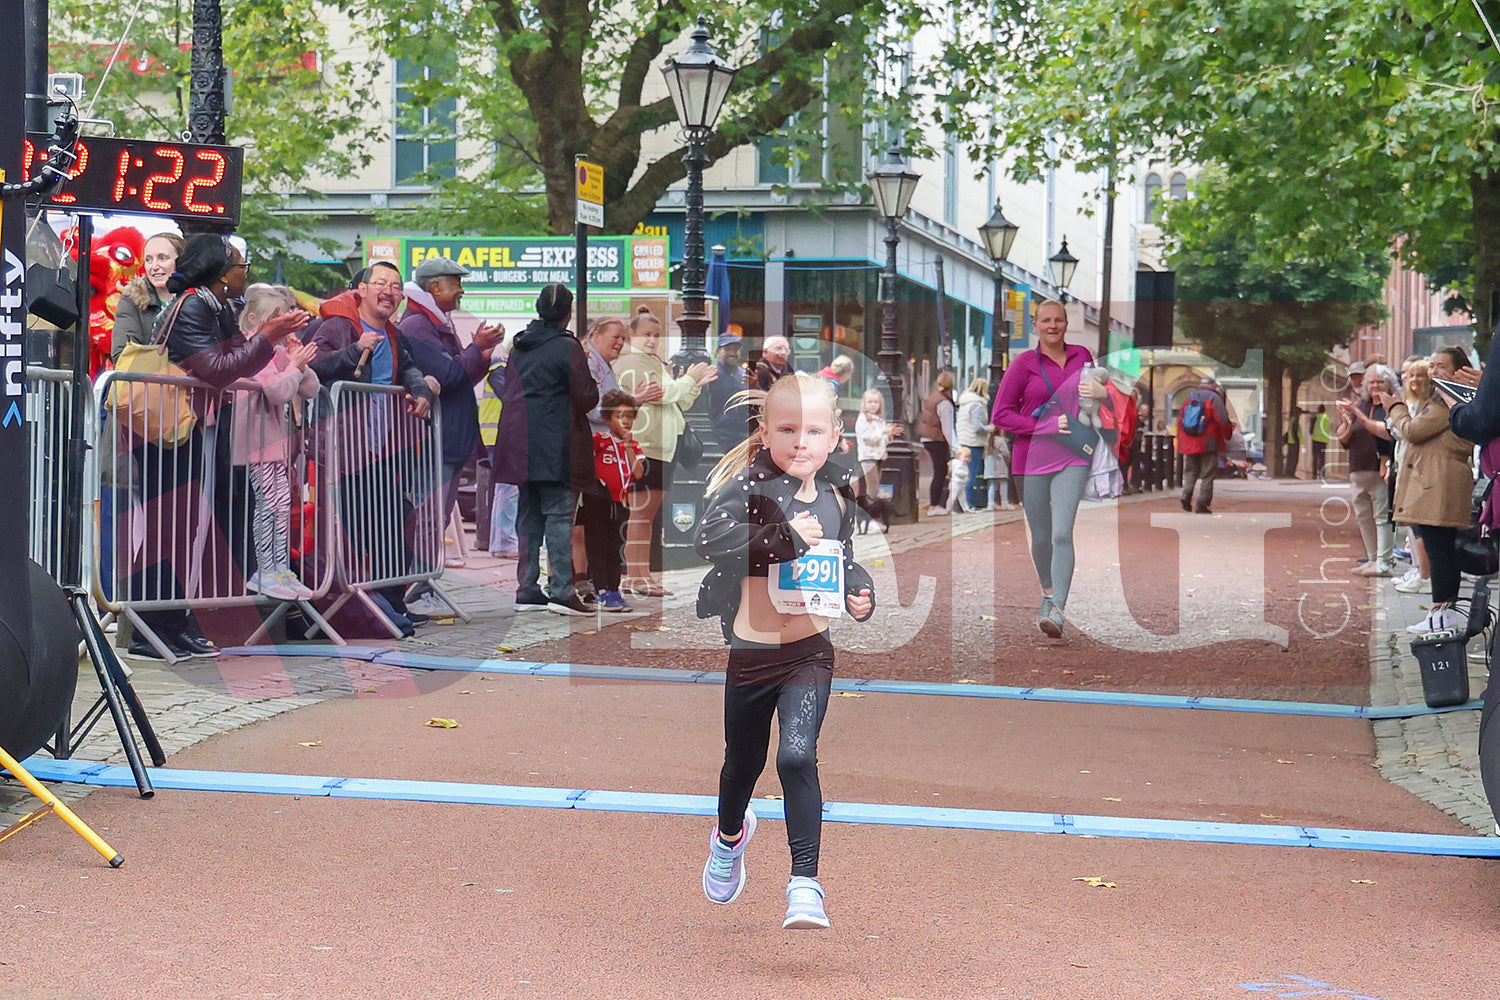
(620, 263)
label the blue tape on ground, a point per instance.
(453, 791)
(834, 812)
(1122, 698)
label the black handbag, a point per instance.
(689, 448)
(1476, 551)
(1080, 438)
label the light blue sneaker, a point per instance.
(804, 905)
(724, 871)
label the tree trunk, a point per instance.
(1486, 221)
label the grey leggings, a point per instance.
(1051, 504)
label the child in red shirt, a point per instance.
(617, 463)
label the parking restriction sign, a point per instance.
(590, 178)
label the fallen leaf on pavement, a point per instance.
(1280, 761)
(848, 694)
(1078, 965)
(437, 723)
(1269, 816)
(965, 680)
(504, 649)
(1113, 798)
(1097, 881)
(314, 743)
(1361, 881)
(986, 618)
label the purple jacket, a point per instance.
(1022, 392)
(436, 350)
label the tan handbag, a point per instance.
(155, 412)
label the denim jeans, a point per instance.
(979, 493)
(545, 512)
(503, 519)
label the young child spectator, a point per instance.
(958, 480)
(264, 441)
(618, 462)
(997, 471)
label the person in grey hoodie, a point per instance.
(973, 429)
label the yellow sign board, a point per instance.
(590, 182)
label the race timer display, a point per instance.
(180, 180)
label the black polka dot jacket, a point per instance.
(745, 530)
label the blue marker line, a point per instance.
(397, 658)
(866, 813)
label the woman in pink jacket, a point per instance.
(1038, 401)
(264, 437)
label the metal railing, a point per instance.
(49, 419)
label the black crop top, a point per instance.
(824, 506)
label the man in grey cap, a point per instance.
(731, 423)
(427, 326)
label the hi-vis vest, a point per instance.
(489, 412)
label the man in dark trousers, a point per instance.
(546, 448)
(1203, 430)
(357, 342)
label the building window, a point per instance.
(425, 146)
(1179, 186)
(1153, 198)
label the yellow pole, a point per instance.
(69, 817)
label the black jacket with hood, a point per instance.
(544, 421)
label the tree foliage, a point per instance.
(1230, 299)
(546, 80)
(297, 118)
(1341, 127)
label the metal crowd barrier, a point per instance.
(385, 491)
(49, 419)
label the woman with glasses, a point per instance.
(203, 337)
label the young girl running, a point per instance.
(778, 514)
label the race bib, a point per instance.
(811, 585)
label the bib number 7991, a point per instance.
(813, 584)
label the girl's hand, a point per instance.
(860, 604)
(300, 355)
(703, 372)
(806, 527)
(650, 393)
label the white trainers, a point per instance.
(1414, 583)
(1438, 621)
(804, 905)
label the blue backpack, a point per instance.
(1195, 418)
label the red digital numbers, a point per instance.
(182, 180)
(166, 153)
(217, 159)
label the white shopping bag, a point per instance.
(812, 585)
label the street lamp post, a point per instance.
(698, 81)
(893, 183)
(1063, 265)
(999, 235)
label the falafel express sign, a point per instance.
(621, 263)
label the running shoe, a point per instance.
(724, 871)
(611, 601)
(1413, 583)
(1050, 619)
(531, 602)
(1438, 621)
(804, 905)
(571, 605)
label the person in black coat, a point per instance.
(204, 338)
(545, 447)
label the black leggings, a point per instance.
(940, 453)
(1442, 560)
(793, 681)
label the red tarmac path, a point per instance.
(226, 895)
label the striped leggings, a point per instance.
(273, 515)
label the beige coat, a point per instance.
(1434, 483)
(659, 423)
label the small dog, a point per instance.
(871, 510)
(958, 482)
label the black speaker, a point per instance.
(36, 684)
(1155, 298)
